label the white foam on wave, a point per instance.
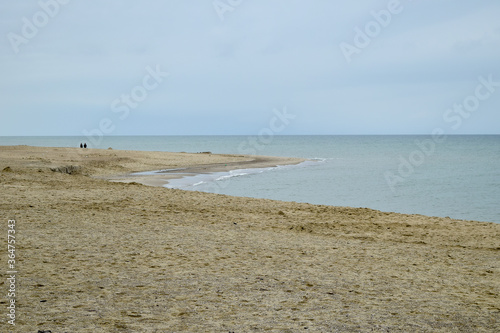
(238, 173)
(192, 182)
(231, 175)
(320, 159)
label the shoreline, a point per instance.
(95, 255)
(162, 177)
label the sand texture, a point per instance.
(103, 256)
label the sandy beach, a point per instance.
(99, 250)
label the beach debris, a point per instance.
(69, 169)
(7, 169)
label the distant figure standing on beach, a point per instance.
(85, 145)
(81, 145)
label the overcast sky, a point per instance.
(175, 67)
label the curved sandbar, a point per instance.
(162, 176)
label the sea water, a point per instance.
(455, 176)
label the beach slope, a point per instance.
(95, 255)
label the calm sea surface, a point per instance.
(458, 176)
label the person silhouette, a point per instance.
(81, 145)
(85, 145)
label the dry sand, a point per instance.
(101, 256)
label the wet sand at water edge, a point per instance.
(99, 251)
